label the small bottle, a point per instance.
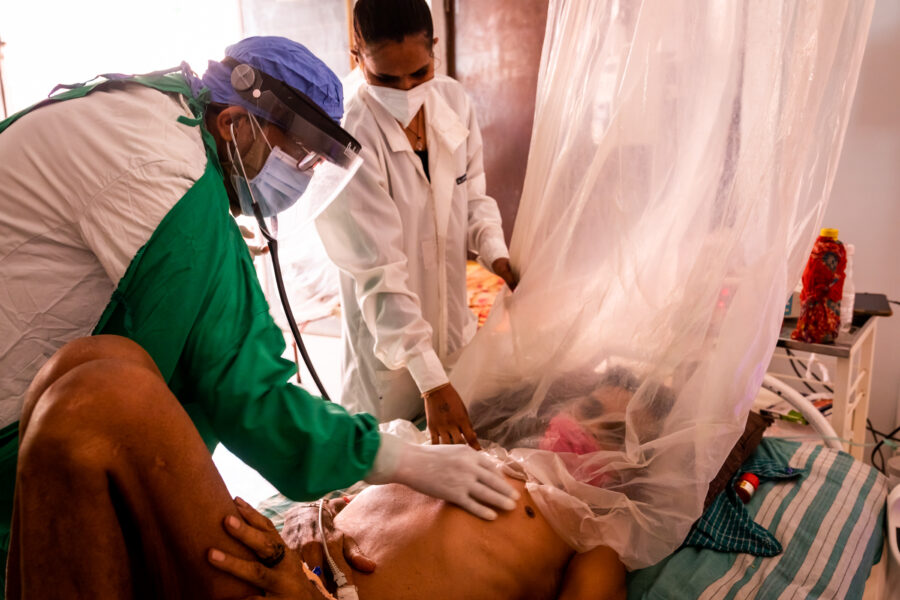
(746, 486)
(823, 286)
(849, 294)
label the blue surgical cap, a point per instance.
(282, 59)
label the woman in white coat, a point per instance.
(401, 230)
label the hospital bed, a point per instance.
(830, 524)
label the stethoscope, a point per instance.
(272, 243)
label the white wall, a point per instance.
(865, 201)
(60, 41)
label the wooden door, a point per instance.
(494, 50)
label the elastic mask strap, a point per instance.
(240, 162)
(271, 236)
(254, 122)
(237, 153)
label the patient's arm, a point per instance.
(594, 575)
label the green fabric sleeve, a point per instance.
(192, 300)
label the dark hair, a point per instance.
(490, 417)
(377, 21)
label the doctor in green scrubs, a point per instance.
(116, 218)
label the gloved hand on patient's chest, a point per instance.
(454, 473)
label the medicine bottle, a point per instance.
(746, 486)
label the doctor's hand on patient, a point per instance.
(447, 417)
(278, 571)
(455, 473)
(503, 269)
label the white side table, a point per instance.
(854, 353)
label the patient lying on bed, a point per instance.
(117, 496)
(426, 548)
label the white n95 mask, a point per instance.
(402, 104)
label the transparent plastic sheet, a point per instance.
(681, 160)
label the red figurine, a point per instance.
(823, 286)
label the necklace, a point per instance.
(419, 144)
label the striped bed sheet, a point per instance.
(830, 523)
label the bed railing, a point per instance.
(805, 408)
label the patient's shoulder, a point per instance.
(597, 575)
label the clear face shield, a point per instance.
(312, 163)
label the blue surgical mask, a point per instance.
(277, 186)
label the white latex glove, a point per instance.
(454, 473)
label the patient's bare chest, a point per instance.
(426, 548)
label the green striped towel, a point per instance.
(727, 526)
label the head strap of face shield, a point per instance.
(294, 112)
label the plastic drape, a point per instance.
(682, 155)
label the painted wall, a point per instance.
(865, 200)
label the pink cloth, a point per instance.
(564, 434)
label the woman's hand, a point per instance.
(279, 572)
(503, 269)
(301, 532)
(447, 417)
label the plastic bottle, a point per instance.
(746, 486)
(849, 294)
(823, 286)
